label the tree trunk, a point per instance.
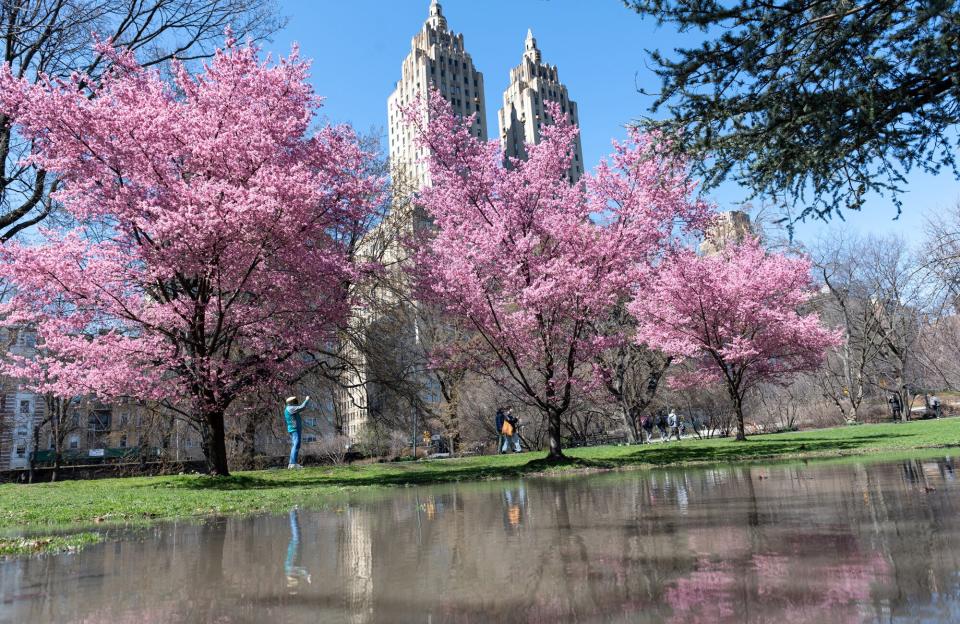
(33, 453)
(633, 434)
(905, 402)
(214, 443)
(250, 440)
(553, 435)
(450, 386)
(738, 406)
(451, 418)
(56, 425)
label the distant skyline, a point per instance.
(598, 47)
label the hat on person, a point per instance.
(292, 399)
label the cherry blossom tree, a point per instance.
(735, 317)
(531, 263)
(209, 247)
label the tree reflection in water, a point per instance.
(837, 543)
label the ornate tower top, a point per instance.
(533, 84)
(530, 47)
(436, 19)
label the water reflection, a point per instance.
(793, 544)
(295, 572)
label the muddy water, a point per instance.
(827, 543)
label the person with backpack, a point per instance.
(498, 421)
(291, 414)
(511, 432)
(675, 423)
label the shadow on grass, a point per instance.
(672, 453)
(389, 475)
(730, 451)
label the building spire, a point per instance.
(436, 14)
(530, 47)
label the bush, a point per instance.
(332, 450)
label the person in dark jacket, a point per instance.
(662, 425)
(498, 423)
(647, 425)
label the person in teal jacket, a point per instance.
(291, 413)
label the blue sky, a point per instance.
(598, 45)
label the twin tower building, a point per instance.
(438, 59)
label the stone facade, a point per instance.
(533, 83)
(729, 228)
(437, 59)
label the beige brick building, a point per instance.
(437, 59)
(729, 228)
(533, 83)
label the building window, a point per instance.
(21, 451)
(123, 441)
(98, 426)
(25, 406)
(74, 442)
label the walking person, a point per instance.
(896, 406)
(291, 414)
(662, 425)
(647, 425)
(511, 432)
(676, 423)
(498, 423)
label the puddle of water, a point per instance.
(833, 543)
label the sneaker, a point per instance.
(297, 466)
(291, 466)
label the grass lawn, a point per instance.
(16, 546)
(56, 506)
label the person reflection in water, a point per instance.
(295, 573)
(514, 504)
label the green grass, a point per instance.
(19, 546)
(146, 499)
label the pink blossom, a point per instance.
(531, 262)
(206, 253)
(736, 317)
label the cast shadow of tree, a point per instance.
(444, 472)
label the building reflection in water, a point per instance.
(357, 555)
(838, 543)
